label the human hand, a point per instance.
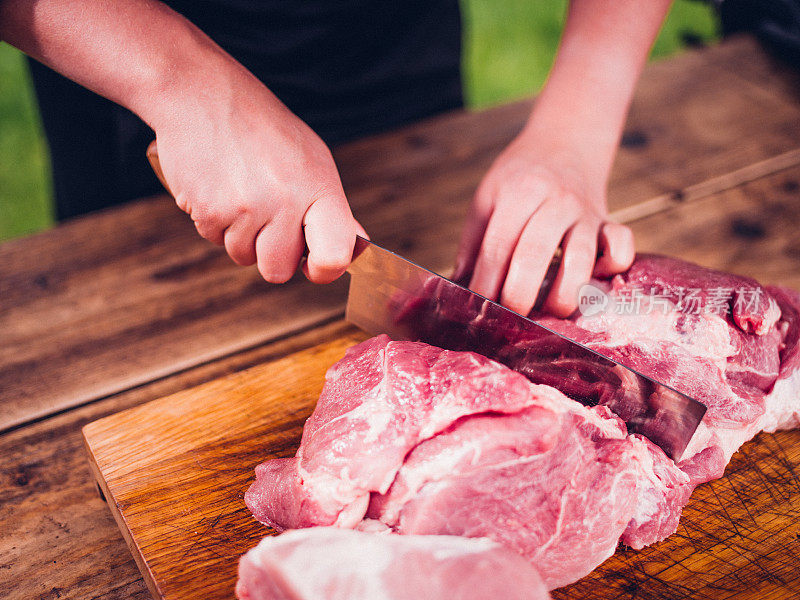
(533, 201)
(255, 178)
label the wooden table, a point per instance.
(125, 306)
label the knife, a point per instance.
(389, 294)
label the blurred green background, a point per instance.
(509, 45)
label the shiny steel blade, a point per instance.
(391, 295)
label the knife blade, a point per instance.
(392, 295)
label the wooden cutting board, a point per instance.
(174, 472)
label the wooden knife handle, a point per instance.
(152, 156)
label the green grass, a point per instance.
(25, 189)
(509, 45)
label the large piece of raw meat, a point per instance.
(429, 441)
(328, 563)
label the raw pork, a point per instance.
(440, 442)
(326, 563)
(732, 344)
(380, 401)
(427, 440)
(723, 339)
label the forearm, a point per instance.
(602, 52)
(251, 175)
(138, 53)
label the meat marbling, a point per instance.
(444, 442)
(406, 433)
(741, 361)
(339, 564)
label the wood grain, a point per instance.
(177, 489)
(739, 537)
(58, 539)
(751, 230)
(130, 295)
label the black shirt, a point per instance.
(348, 68)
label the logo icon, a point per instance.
(591, 300)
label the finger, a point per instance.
(480, 211)
(279, 247)
(537, 244)
(502, 235)
(210, 223)
(359, 231)
(617, 250)
(577, 262)
(240, 241)
(330, 234)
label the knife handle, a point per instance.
(152, 156)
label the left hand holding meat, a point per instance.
(547, 190)
(532, 202)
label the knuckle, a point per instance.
(569, 203)
(534, 182)
(243, 210)
(535, 254)
(208, 230)
(316, 155)
(207, 217)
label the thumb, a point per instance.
(617, 250)
(330, 232)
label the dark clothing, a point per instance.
(776, 23)
(96, 147)
(348, 68)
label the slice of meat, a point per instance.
(744, 299)
(379, 401)
(691, 353)
(664, 490)
(421, 439)
(540, 482)
(468, 447)
(325, 563)
(732, 358)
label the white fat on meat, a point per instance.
(413, 439)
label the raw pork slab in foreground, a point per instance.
(432, 441)
(340, 564)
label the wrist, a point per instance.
(198, 79)
(572, 143)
